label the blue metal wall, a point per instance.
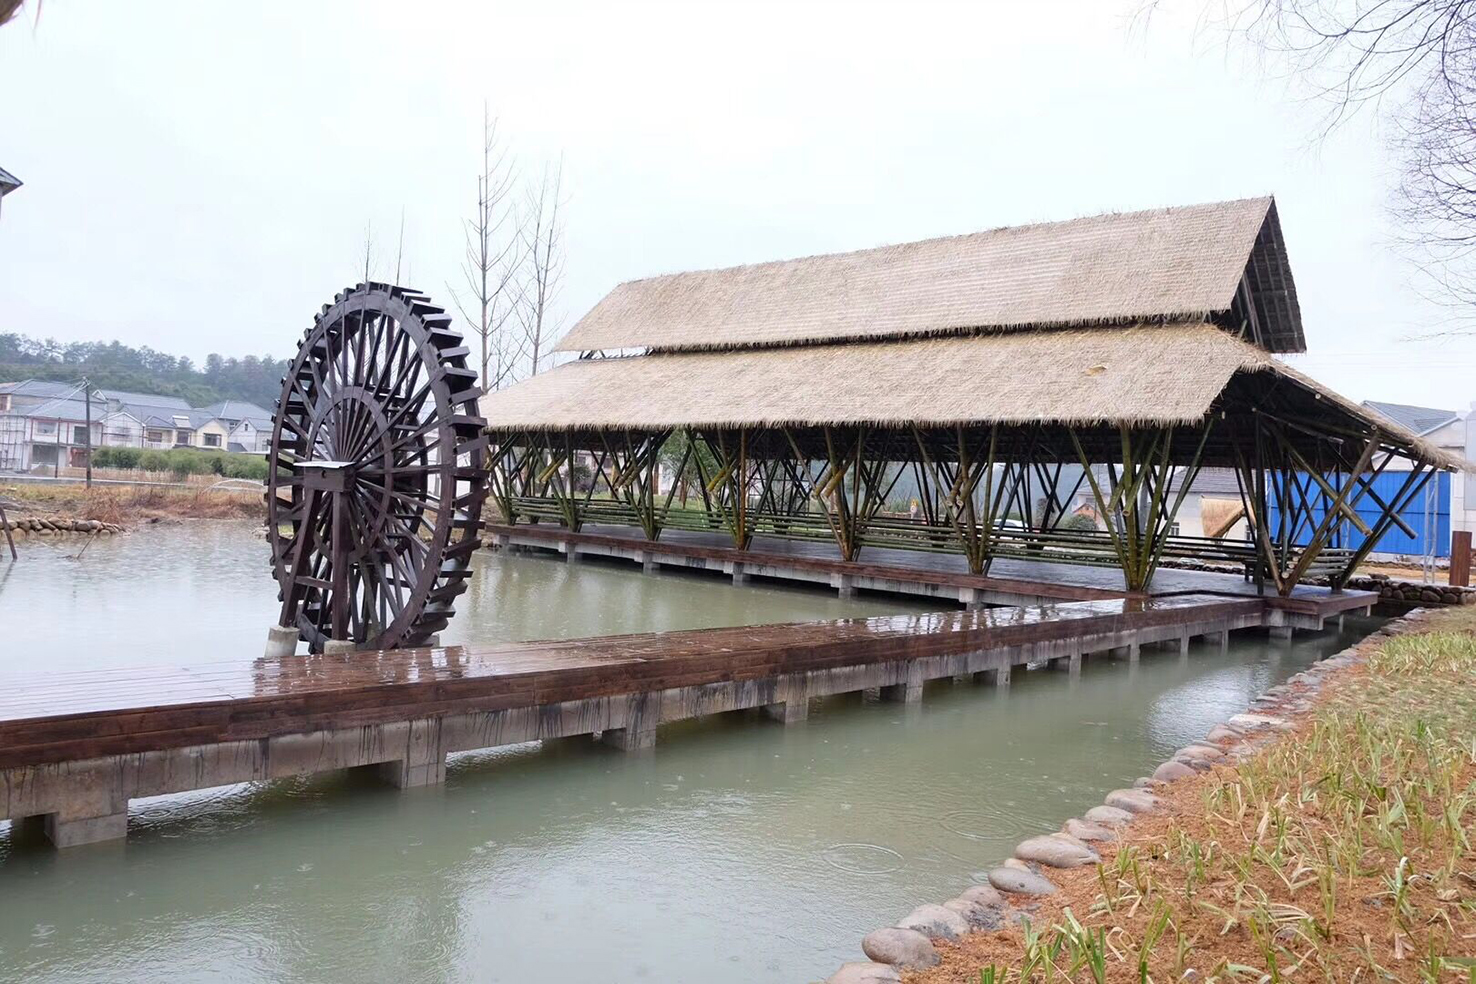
(1396, 541)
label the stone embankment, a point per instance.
(58, 526)
(1414, 592)
(1390, 589)
(1009, 893)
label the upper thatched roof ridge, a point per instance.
(1168, 263)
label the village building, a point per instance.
(43, 424)
(250, 425)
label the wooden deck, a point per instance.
(60, 716)
(936, 575)
(76, 747)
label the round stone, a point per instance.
(905, 948)
(1222, 733)
(1018, 881)
(1085, 830)
(977, 915)
(1133, 800)
(1109, 816)
(1171, 771)
(935, 922)
(1055, 852)
(865, 972)
(983, 895)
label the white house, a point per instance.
(53, 434)
(250, 425)
(121, 429)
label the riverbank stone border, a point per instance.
(1002, 895)
(56, 525)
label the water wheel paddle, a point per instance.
(375, 472)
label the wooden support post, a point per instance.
(9, 540)
(1460, 558)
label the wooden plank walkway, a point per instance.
(59, 716)
(76, 747)
(1010, 580)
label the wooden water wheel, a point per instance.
(375, 485)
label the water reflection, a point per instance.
(202, 593)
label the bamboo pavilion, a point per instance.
(1002, 375)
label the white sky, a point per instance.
(198, 176)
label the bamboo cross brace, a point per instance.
(1263, 535)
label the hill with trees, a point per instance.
(113, 365)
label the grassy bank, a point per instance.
(131, 506)
(1341, 852)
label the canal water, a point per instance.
(740, 851)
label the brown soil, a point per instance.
(1263, 909)
(130, 506)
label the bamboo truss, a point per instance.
(1106, 495)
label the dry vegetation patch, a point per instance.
(1341, 852)
(130, 505)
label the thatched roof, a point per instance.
(1169, 264)
(1137, 375)
(1141, 374)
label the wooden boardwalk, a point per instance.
(76, 747)
(937, 575)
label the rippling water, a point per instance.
(741, 851)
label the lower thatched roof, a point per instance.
(1142, 374)
(1138, 375)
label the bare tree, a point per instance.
(490, 263)
(368, 251)
(543, 267)
(400, 249)
(1413, 63)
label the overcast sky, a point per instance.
(198, 176)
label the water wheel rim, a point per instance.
(379, 387)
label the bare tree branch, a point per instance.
(543, 247)
(490, 263)
(1412, 62)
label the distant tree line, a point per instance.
(113, 365)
